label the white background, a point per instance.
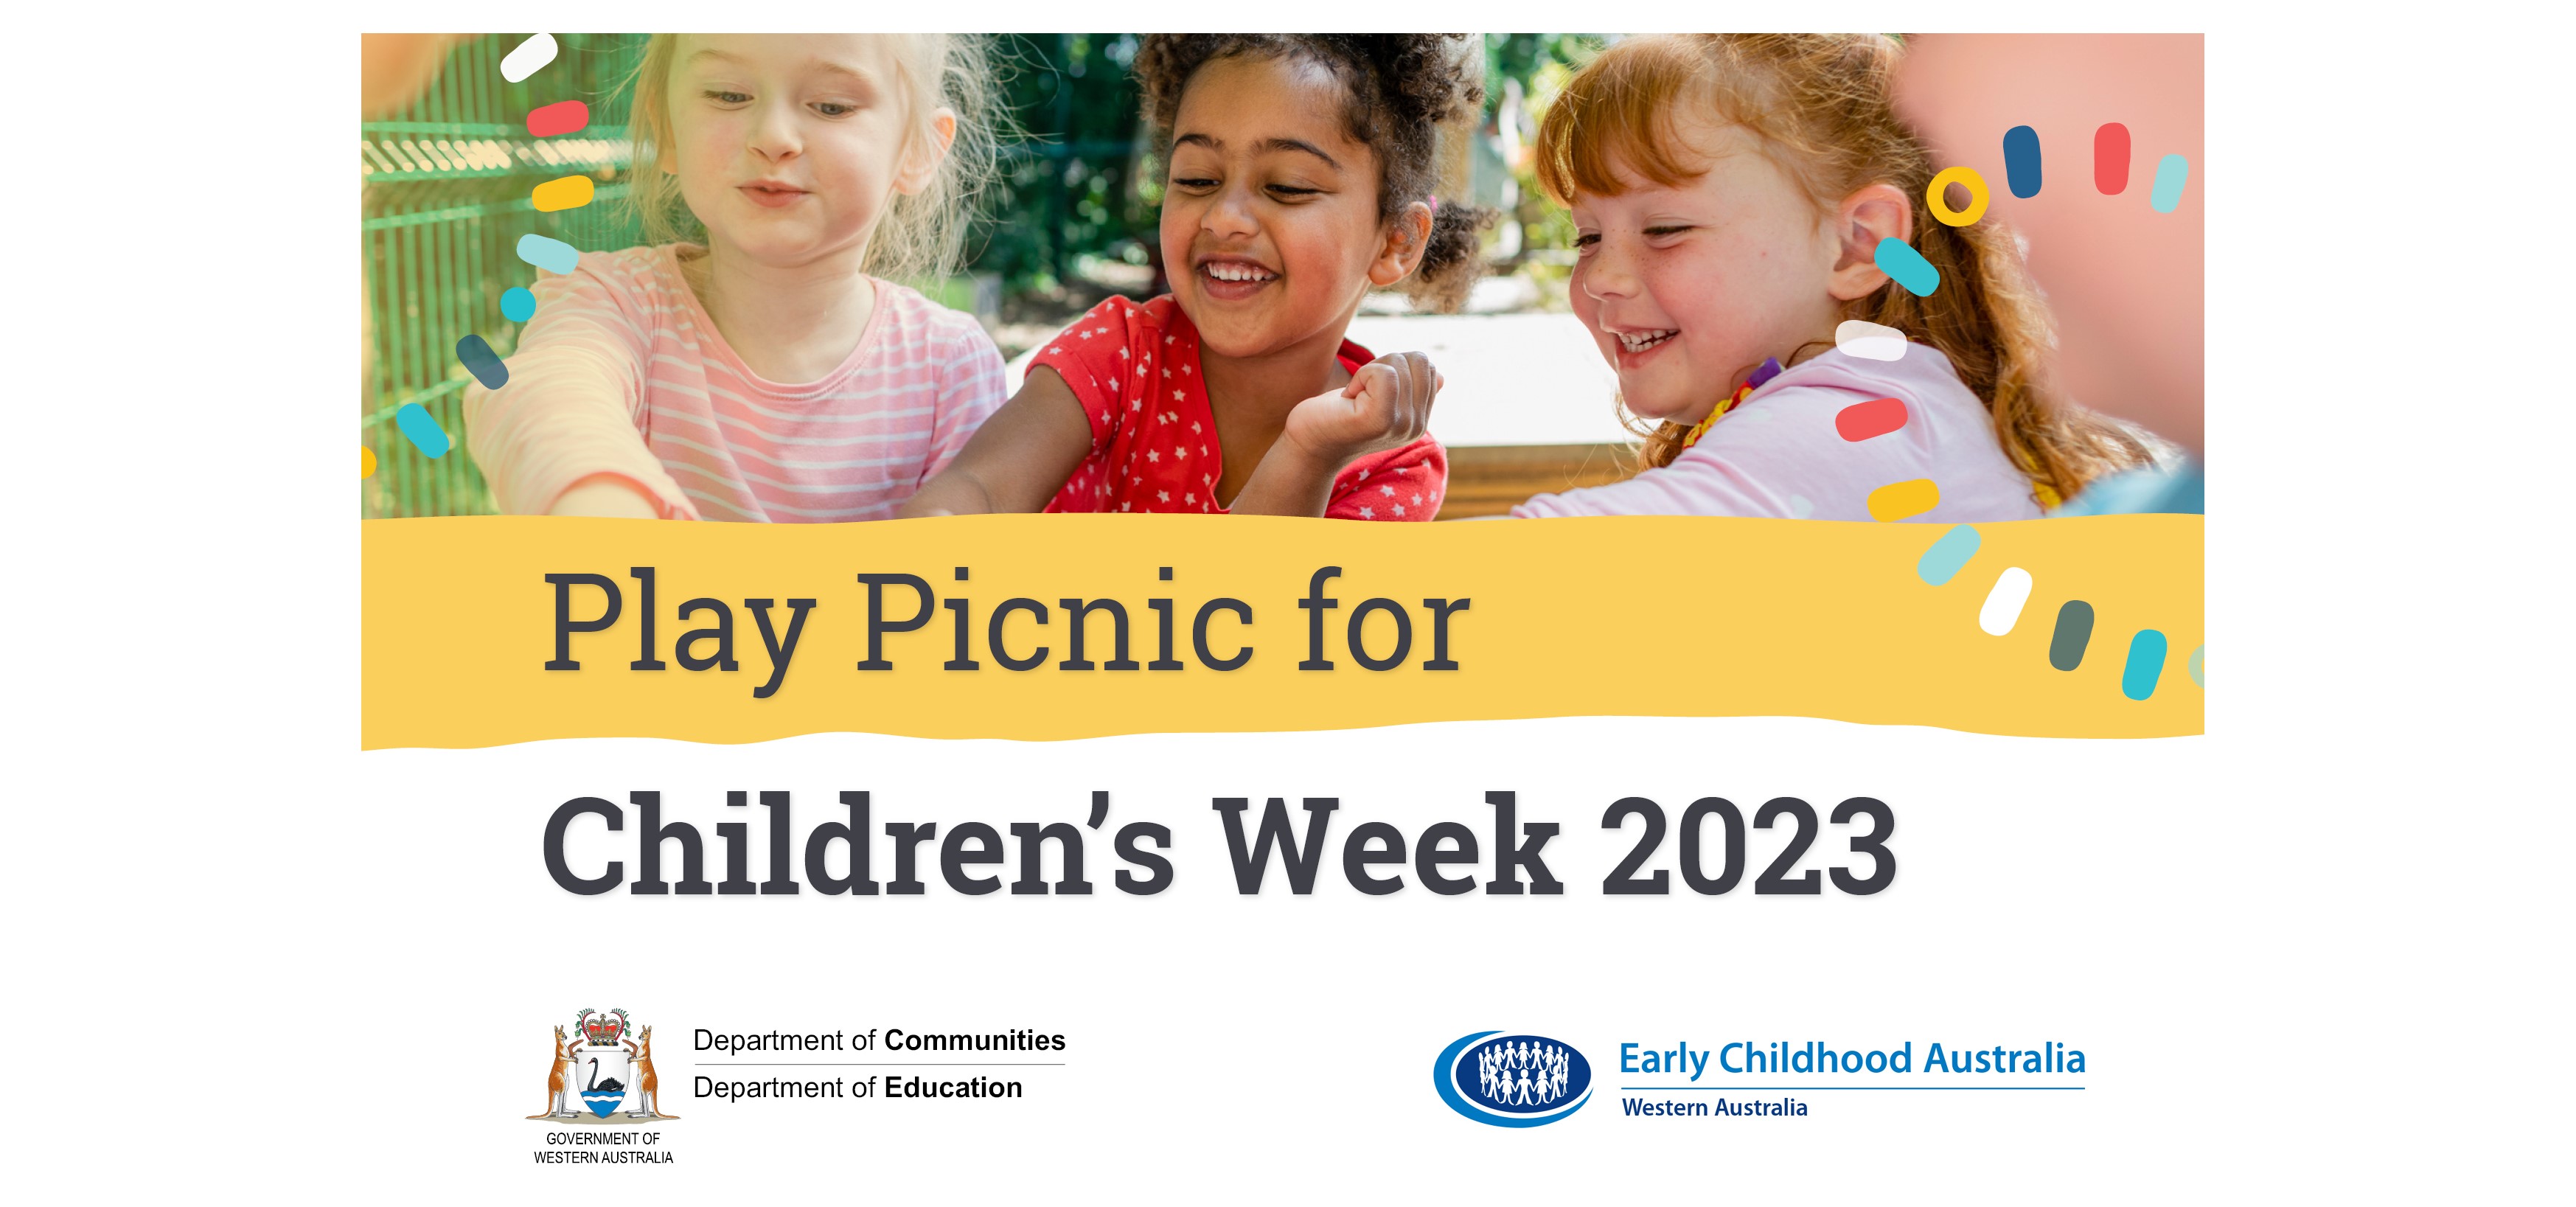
(2318, 953)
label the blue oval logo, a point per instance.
(1512, 1080)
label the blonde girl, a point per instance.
(1729, 194)
(754, 361)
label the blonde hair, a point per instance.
(1823, 108)
(923, 234)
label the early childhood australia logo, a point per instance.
(1512, 1080)
(600, 1070)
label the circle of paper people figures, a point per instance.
(1522, 1073)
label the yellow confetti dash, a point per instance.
(1903, 500)
(561, 193)
(366, 462)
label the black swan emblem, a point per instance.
(602, 1097)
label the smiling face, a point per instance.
(789, 147)
(1688, 288)
(1271, 232)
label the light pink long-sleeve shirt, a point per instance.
(1780, 453)
(622, 373)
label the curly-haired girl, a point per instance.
(1302, 171)
(1730, 196)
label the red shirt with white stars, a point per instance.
(1135, 370)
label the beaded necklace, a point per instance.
(1770, 369)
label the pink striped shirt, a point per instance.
(622, 373)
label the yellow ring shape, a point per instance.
(1977, 196)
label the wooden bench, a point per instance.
(1491, 479)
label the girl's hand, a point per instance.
(1386, 405)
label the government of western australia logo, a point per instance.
(600, 1070)
(1512, 1080)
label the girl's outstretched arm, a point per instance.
(1018, 460)
(1386, 405)
(562, 437)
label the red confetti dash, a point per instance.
(1876, 417)
(2111, 159)
(562, 117)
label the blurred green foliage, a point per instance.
(1071, 186)
(1525, 57)
(1540, 63)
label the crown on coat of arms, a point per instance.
(602, 1031)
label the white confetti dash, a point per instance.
(1800, 508)
(2003, 604)
(1869, 341)
(527, 57)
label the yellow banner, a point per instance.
(2052, 628)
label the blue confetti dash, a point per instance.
(2146, 665)
(2021, 161)
(553, 255)
(2172, 172)
(1907, 267)
(1942, 561)
(422, 428)
(482, 362)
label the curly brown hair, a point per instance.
(1401, 88)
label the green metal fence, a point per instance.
(446, 185)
